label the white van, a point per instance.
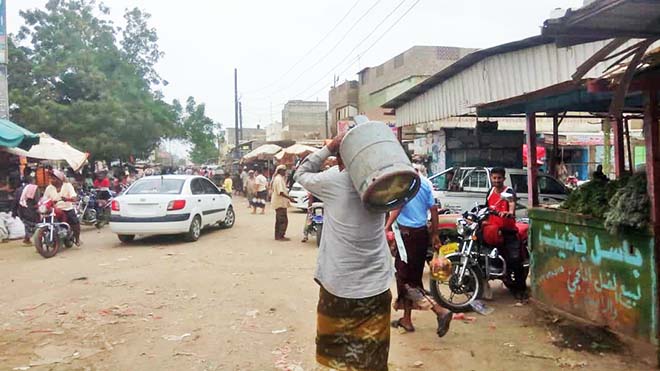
(459, 188)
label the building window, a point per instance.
(363, 78)
(380, 70)
(398, 61)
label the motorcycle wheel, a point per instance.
(446, 293)
(45, 246)
(319, 232)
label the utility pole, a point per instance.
(4, 89)
(237, 153)
(240, 118)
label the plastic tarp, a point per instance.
(264, 152)
(52, 149)
(12, 136)
(299, 150)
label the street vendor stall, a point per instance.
(52, 149)
(599, 261)
(291, 154)
(11, 137)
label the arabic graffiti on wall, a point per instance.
(582, 269)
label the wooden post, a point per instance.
(651, 133)
(532, 190)
(619, 156)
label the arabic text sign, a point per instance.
(582, 269)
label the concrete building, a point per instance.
(257, 134)
(274, 131)
(304, 120)
(449, 105)
(379, 84)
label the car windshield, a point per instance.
(156, 186)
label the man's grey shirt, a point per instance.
(354, 260)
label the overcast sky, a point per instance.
(281, 50)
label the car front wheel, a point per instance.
(230, 218)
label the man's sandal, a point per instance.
(397, 324)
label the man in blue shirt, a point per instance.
(412, 221)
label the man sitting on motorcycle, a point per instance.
(311, 199)
(63, 196)
(500, 229)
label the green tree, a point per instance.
(200, 131)
(69, 77)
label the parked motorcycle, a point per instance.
(53, 232)
(317, 221)
(94, 209)
(474, 263)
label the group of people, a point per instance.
(355, 266)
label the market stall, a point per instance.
(597, 259)
(52, 149)
(292, 154)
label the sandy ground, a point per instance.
(234, 300)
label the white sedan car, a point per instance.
(170, 204)
(299, 194)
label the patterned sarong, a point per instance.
(259, 200)
(353, 334)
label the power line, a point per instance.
(352, 50)
(309, 51)
(352, 61)
(361, 42)
(370, 46)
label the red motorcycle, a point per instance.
(473, 261)
(53, 232)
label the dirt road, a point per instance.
(234, 300)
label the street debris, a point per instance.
(481, 308)
(463, 317)
(150, 292)
(83, 278)
(418, 364)
(252, 313)
(279, 331)
(175, 337)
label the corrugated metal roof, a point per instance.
(493, 74)
(606, 19)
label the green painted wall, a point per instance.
(580, 268)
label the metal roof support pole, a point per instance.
(619, 154)
(532, 167)
(631, 160)
(652, 139)
(555, 145)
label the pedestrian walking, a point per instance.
(280, 203)
(250, 187)
(354, 270)
(261, 192)
(244, 178)
(27, 207)
(228, 184)
(411, 220)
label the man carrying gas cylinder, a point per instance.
(411, 221)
